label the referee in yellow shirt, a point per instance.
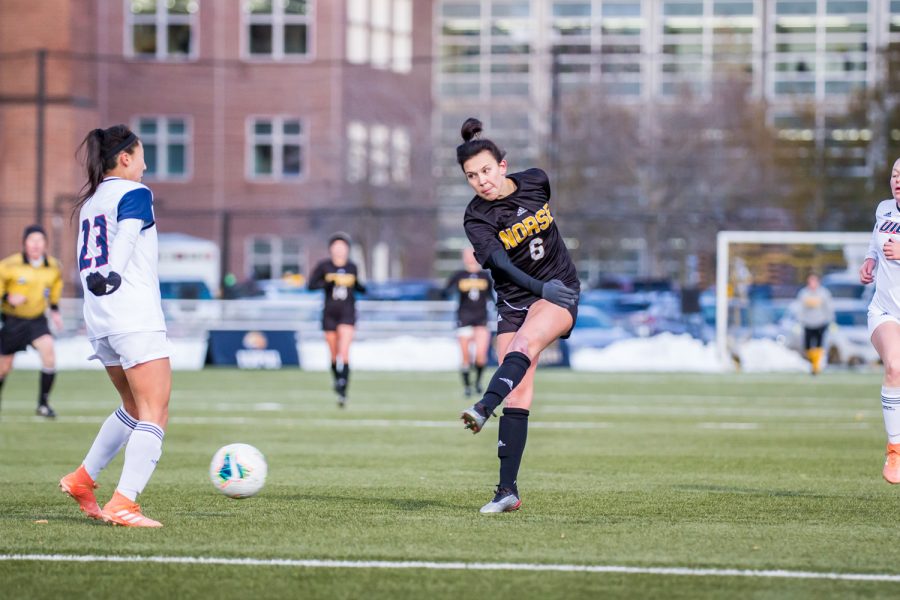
(29, 282)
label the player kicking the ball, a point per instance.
(117, 256)
(514, 234)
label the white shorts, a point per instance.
(130, 349)
(877, 316)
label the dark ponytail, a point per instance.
(99, 153)
(474, 144)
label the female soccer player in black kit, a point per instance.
(473, 286)
(514, 234)
(338, 277)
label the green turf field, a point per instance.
(768, 472)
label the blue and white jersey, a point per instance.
(887, 272)
(136, 305)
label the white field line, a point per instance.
(637, 408)
(551, 395)
(215, 420)
(447, 424)
(454, 566)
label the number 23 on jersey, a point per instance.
(93, 236)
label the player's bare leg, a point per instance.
(44, 346)
(886, 339)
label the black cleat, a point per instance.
(45, 411)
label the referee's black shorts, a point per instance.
(17, 334)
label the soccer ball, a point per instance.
(238, 470)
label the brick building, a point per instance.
(267, 125)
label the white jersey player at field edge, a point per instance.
(882, 265)
(117, 257)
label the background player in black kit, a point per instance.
(338, 277)
(514, 234)
(472, 286)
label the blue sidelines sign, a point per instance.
(253, 349)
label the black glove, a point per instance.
(102, 286)
(556, 292)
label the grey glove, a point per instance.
(556, 292)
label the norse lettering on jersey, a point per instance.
(473, 291)
(523, 226)
(339, 283)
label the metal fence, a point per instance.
(375, 319)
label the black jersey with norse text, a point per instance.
(339, 284)
(473, 291)
(522, 225)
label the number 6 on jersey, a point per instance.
(536, 248)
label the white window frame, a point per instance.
(397, 36)
(379, 167)
(162, 139)
(278, 19)
(278, 141)
(276, 257)
(162, 19)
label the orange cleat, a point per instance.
(79, 485)
(122, 511)
(891, 471)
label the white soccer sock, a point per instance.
(113, 435)
(141, 455)
(890, 406)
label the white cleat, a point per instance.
(505, 500)
(473, 419)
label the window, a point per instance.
(276, 148)
(166, 142)
(161, 29)
(379, 32)
(378, 154)
(271, 257)
(278, 29)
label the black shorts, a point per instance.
(814, 337)
(17, 334)
(510, 318)
(468, 320)
(338, 315)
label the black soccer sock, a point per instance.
(511, 444)
(345, 374)
(2, 379)
(479, 371)
(505, 379)
(465, 377)
(47, 378)
(334, 370)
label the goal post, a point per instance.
(724, 241)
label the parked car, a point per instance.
(402, 289)
(847, 340)
(595, 329)
(846, 285)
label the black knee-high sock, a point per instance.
(465, 376)
(511, 444)
(345, 374)
(2, 379)
(334, 370)
(479, 371)
(505, 379)
(46, 384)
